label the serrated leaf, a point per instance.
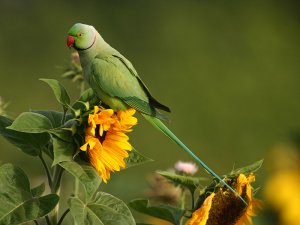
(30, 122)
(135, 158)
(247, 169)
(63, 151)
(59, 92)
(30, 144)
(18, 205)
(104, 210)
(189, 182)
(38, 190)
(86, 174)
(164, 212)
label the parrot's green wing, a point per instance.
(152, 100)
(116, 79)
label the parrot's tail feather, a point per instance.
(163, 128)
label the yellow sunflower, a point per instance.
(106, 141)
(282, 188)
(223, 207)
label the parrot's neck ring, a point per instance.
(82, 49)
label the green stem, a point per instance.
(55, 189)
(76, 191)
(82, 87)
(182, 201)
(183, 197)
(63, 216)
(57, 178)
(63, 120)
(36, 222)
(47, 220)
(76, 187)
(193, 199)
(46, 169)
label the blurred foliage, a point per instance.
(228, 70)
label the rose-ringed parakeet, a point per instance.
(117, 84)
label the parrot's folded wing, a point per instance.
(115, 79)
(145, 108)
(152, 100)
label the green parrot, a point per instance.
(117, 84)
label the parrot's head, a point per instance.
(81, 36)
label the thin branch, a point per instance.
(63, 216)
(46, 169)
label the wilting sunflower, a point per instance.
(106, 141)
(224, 207)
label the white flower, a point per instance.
(186, 167)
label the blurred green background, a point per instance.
(229, 71)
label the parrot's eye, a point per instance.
(79, 34)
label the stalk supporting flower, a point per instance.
(223, 207)
(106, 141)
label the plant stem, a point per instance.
(183, 198)
(76, 187)
(193, 200)
(55, 189)
(36, 222)
(47, 220)
(63, 119)
(82, 87)
(76, 191)
(182, 202)
(63, 216)
(46, 169)
(57, 178)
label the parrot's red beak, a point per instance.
(70, 41)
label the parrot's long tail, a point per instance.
(163, 128)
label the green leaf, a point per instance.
(30, 122)
(135, 158)
(89, 96)
(164, 212)
(30, 144)
(86, 100)
(104, 210)
(59, 92)
(86, 174)
(64, 134)
(247, 169)
(54, 117)
(63, 151)
(189, 182)
(38, 190)
(213, 187)
(18, 205)
(80, 106)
